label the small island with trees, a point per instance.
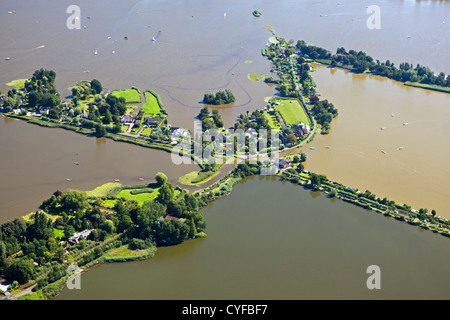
(221, 97)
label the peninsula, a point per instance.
(116, 223)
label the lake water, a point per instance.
(275, 240)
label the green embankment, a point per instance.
(427, 86)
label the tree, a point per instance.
(21, 270)
(291, 138)
(160, 178)
(192, 229)
(303, 157)
(166, 193)
(100, 130)
(96, 86)
(333, 192)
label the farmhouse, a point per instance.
(151, 121)
(127, 118)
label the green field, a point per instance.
(130, 95)
(197, 177)
(292, 112)
(151, 106)
(140, 198)
(108, 189)
(18, 83)
(273, 123)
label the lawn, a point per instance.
(273, 123)
(147, 131)
(151, 106)
(108, 189)
(292, 112)
(141, 197)
(131, 95)
(197, 177)
(19, 83)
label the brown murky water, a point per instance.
(198, 50)
(410, 125)
(313, 248)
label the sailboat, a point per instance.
(95, 52)
(225, 14)
(153, 39)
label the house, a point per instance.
(178, 132)
(281, 164)
(151, 121)
(84, 115)
(43, 110)
(127, 118)
(76, 237)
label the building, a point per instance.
(177, 132)
(76, 237)
(127, 118)
(151, 121)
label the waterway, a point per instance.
(198, 50)
(275, 240)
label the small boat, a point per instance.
(327, 147)
(405, 123)
(392, 115)
(140, 179)
(153, 39)
(95, 52)
(225, 14)
(67, 179)
(382, 128)
(113, 52)
(400, 148)
(7, 58)
(382, 151)
(117, 180)
(312, 148)
(76, 163)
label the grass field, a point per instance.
(130, 95)
(151, 106)
(273, 123)
(19, 83)
(200, 177)
(293, 112)
(140, 198)
(108, 189)
(124, 251)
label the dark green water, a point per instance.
(275, 240)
